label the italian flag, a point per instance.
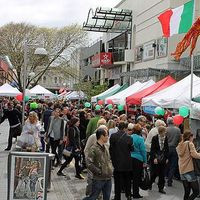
(178, 20)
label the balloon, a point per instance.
(183, 111)
(87, 104)
(19, 97)
(110, 106)
(33, 105)
(159, 111)
(178, 120)
(109, 101)
(26, 98)
(97, 107)
(100, 102)
(120, 107)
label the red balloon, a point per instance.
(109, 101)
(178, 120)
(100, 102)
(19, 97)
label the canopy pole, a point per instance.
(192, 73)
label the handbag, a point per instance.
(67, 151)
(196, 163)
(145, 180)
(16, 131)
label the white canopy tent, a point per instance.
(64, 94)
(40, 92)
(76, 95)
(120, 98)
(9, 91)
(174, 96)
(115, 87)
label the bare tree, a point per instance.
(56, 41)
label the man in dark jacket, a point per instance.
(173, 136)
(159, 158)
(121, 146)
(45, 120)
(14, 117)
(99, 163)
(46, 115)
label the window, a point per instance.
(55, 80)
(128, 67)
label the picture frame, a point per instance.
(28, 175)
(149, 51)
(162, 47)
(138, 54)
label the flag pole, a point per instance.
(192, 73)
(192, 63)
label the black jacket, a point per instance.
(14, 117)
(74, 137)
(83, 125)
(155, 148)
(46, 115)
(121, 145)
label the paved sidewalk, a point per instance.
(52, 195)
(70, 188)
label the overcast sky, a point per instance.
(53, 13)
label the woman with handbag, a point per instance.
(74, 147)
(139, 159)
(159, 158)
(186, 153)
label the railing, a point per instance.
(119, 55)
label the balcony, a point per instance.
(119, 56)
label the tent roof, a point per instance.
(174, 96)
(120, 98)
(121, 88)
(136, 99)
(94, 99)
(76, 95)
(8, 90)
(38, 90)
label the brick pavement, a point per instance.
(70, 188)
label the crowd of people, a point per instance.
(107, 143)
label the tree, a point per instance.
(91, 89)
(56, 41)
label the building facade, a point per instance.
(143, 52)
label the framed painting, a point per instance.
(162, 47)
(138, 54)
(149, 51)
(27, 176)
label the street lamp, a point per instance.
(38, 51)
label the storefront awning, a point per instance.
(111, 20)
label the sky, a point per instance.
(51, 13)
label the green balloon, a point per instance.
(97, 107)
(87, 104)
(110, 106)
(26, 98)
(159, 111)
(34, 105)
(120, 107)
(183, 111)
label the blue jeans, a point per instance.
(172, 164)
(97, 186)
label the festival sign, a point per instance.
(102, 59)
